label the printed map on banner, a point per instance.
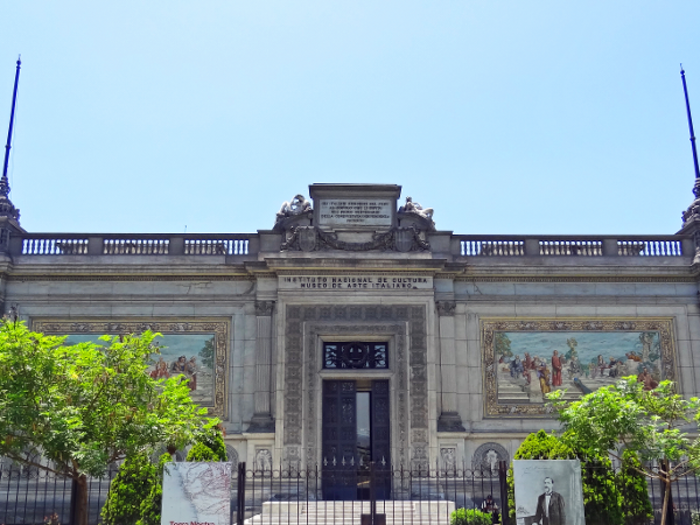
(196, 494)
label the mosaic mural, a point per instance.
(196, 350)
(526, 359)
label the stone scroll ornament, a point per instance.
(312, 238)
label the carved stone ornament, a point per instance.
(487, 456)
(263, 459)
(448, 455)
(312, 238)
(264, 308)
(696, 240)
(414, 207)
(297, 206)
(693, 211)
(446, 308)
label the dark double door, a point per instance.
(356, 439)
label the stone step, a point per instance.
(435, 512)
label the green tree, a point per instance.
(209, 446)
(85, 406)
(647, 422)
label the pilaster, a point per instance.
(449, 420)
(263, 421)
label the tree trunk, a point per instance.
(81, 504)
(667, 517)
(667, 493)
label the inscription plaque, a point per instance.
(355, 212)
(356, 282)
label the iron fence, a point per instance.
(29, 495)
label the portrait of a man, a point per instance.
(550, 506)
(548, 492)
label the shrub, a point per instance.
(636, 507)
(134, 479)
(470, 517)
(150, 508)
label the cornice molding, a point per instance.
(578, 279)
(124, 277)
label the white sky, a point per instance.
(505, 116)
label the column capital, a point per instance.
(264, 308)
(445, 308)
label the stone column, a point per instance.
(450, 420)
(262, 418)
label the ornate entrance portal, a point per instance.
(356, 439)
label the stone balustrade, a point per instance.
(41, 244)
(247, 245)
(579, 246)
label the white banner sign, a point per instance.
(196, 494)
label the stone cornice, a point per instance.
(124, 277)
(578, 279)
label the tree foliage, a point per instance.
(209, 446)
(87, 405)
(650, 423)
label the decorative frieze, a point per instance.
(313, 238)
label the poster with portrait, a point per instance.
(196, 350)
(525, 359)
(548, 492)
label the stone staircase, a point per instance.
(435, 512)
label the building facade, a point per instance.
(354, 330)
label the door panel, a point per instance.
(381, 438)
(339, 462)
(345, 477)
